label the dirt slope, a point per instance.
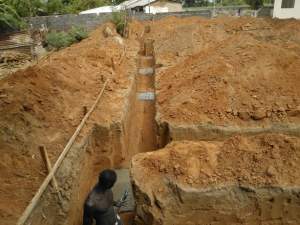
(227, 70)
(242, 180)
(258, 161)
(44, 104)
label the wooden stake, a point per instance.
(47, 180)
(47, 162)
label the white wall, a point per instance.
(163, 7)
(155, 9)
(286, 13)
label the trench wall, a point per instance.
(109, 145)
(105, 146)
(79, 171)
(234, 205)
(211, 132)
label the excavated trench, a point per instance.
(140, 130)
(106, 146)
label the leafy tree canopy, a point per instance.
(9, 18)
(255, 4)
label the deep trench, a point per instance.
(107, 146)
(113, 145)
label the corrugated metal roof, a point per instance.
(124, 5)
(135, 3)
(103, 9)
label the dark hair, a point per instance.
(107, 178)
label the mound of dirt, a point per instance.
(258, 161)
(243, 180)
(227, 70)
(43, 105)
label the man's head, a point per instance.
(107, 178)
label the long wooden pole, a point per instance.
(47, 180)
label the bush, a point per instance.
(58, 40)
(78, 33)
(9, 18)
(119, 19)
(255, 4)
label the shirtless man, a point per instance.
(99, 204)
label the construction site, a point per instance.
(200, 116)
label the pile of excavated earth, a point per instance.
(227, 71)
(267, 159)
(242, 180)
(222, 72)
(231, 87)
(43, 104)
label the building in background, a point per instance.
(285, 9)
(163, 7)
(147, 6)
(99, 10)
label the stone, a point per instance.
(147, 29)
(119, 40)
(259, 114)
(294, 111)
(228, 110)
(244, 115)
(235, 112)
(107, 32)
(271, 171)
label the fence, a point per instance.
(90, 21)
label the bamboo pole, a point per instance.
(47, 180)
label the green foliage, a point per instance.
(9, 19)
(26, 8)
(76, 6)
(119, 19)
(117, 2)
(255, 4)
(78, 33)
(55, 7)
(232, 2)
(58, 40)
(196, 3)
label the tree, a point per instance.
(9, 18)
(255, 4)
(75, 6)
(55, 7)
(233, 2)
(26, 8)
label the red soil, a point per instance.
(227, 70)
(261, 160)
(43, 105)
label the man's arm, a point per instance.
(87, 216)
